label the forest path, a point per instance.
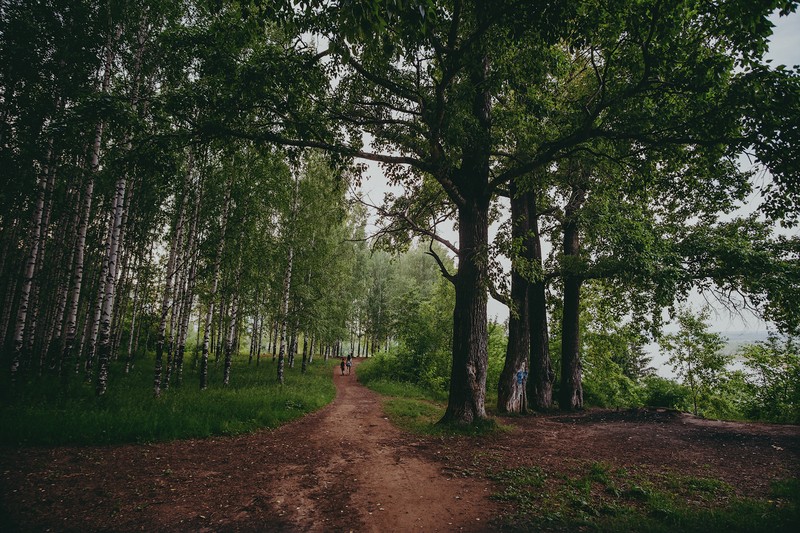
(343, 468)
(370, 477)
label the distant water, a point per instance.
(735, 340)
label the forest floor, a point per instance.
(346, 468)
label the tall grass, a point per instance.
(44, 411)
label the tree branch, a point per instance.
(447, 275)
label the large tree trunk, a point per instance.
(511, 390)
(571, 394)
(466, 402)
(540, 381)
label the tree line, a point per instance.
(120, 229)
(159, 153)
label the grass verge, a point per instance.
(418, 409)
(43, 411)
(599, 497)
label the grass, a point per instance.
(599, 497)
(43, 411)
(418, 409)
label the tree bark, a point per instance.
(571, 394)
(511, 390)
(27, 278)
(214, 287)
(466, 402)
(287, 283)
(226, 374)
(104, 342)
(540, 381)
(168, 293)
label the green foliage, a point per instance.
(414, 407)
(772, 380)
(695, 354)
(658, 391)
(598, 496)
(413, 415)
(45, 412)
(498, 338)
(613, 358)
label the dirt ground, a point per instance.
(346, 468)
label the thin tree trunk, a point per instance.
(212, 297)
(94, 165)
(287, 282)
(165, 302)
(27, 279)
(253, 339)
(188, 297)
(11, 284)
(33, 307)
(91, 349)
(274, 348)
(226, 373)
(71, 320)
(104, 343)
(304, 364)
(134, 311)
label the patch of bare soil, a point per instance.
(345, 468)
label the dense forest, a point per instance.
(180, 188)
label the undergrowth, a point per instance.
(45, 411)
(416, 408)
(600, 497)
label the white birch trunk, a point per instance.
(27, 280)
(188, 298)
(166, 300)
(80, 245)
(107, 309)
(214, 286)
(287, 283)
(231, 339)
(136, 290)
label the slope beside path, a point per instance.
(344, 468)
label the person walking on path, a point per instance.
(341, 365)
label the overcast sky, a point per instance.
(784, 49)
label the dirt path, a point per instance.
(344, 468)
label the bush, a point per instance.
(663, 392)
